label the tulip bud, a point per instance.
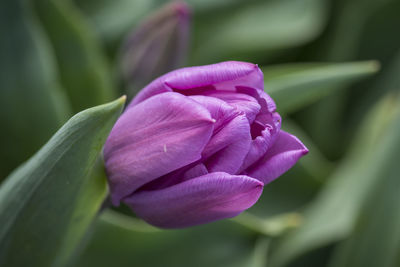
(156, 46)
(197, 145)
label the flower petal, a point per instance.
(284, 153)
(219, 110)
(161, 134)
(196, 171)
(258, 147)
(187, 172)
(242, 102)
(222, 76)
(264, 130)
(231, 139)
(266, 102)
(231, 143)
(200, 200)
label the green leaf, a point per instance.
(272, 226)
(47, 204)
(32, 106)
(376, 239)
(294, 86)
(260, 252)
(81, 62)
(123, 241)
(388, 80)
(332, 215)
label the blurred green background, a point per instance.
(333, 67)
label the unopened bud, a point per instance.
(158, 45)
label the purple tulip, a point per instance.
(197, 145)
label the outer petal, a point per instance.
(285, 152)
(231, 139)
(242, 102)
(161, 134)
(204, 199)
(224, 76)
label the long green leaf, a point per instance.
(81, 62)
(294, 86)
(47, 204)
(32, 106)
(333, 214)
(376, 239)
(123, 241)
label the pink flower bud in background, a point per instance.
(158, 45)
(197, 145)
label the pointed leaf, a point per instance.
(376, 239)
(47, 204)
(123, 241)
(294, 86)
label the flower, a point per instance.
(197, 145)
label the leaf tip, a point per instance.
(375, 66)
(122, 99)
(120, 102)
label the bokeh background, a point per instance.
(333, 67)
